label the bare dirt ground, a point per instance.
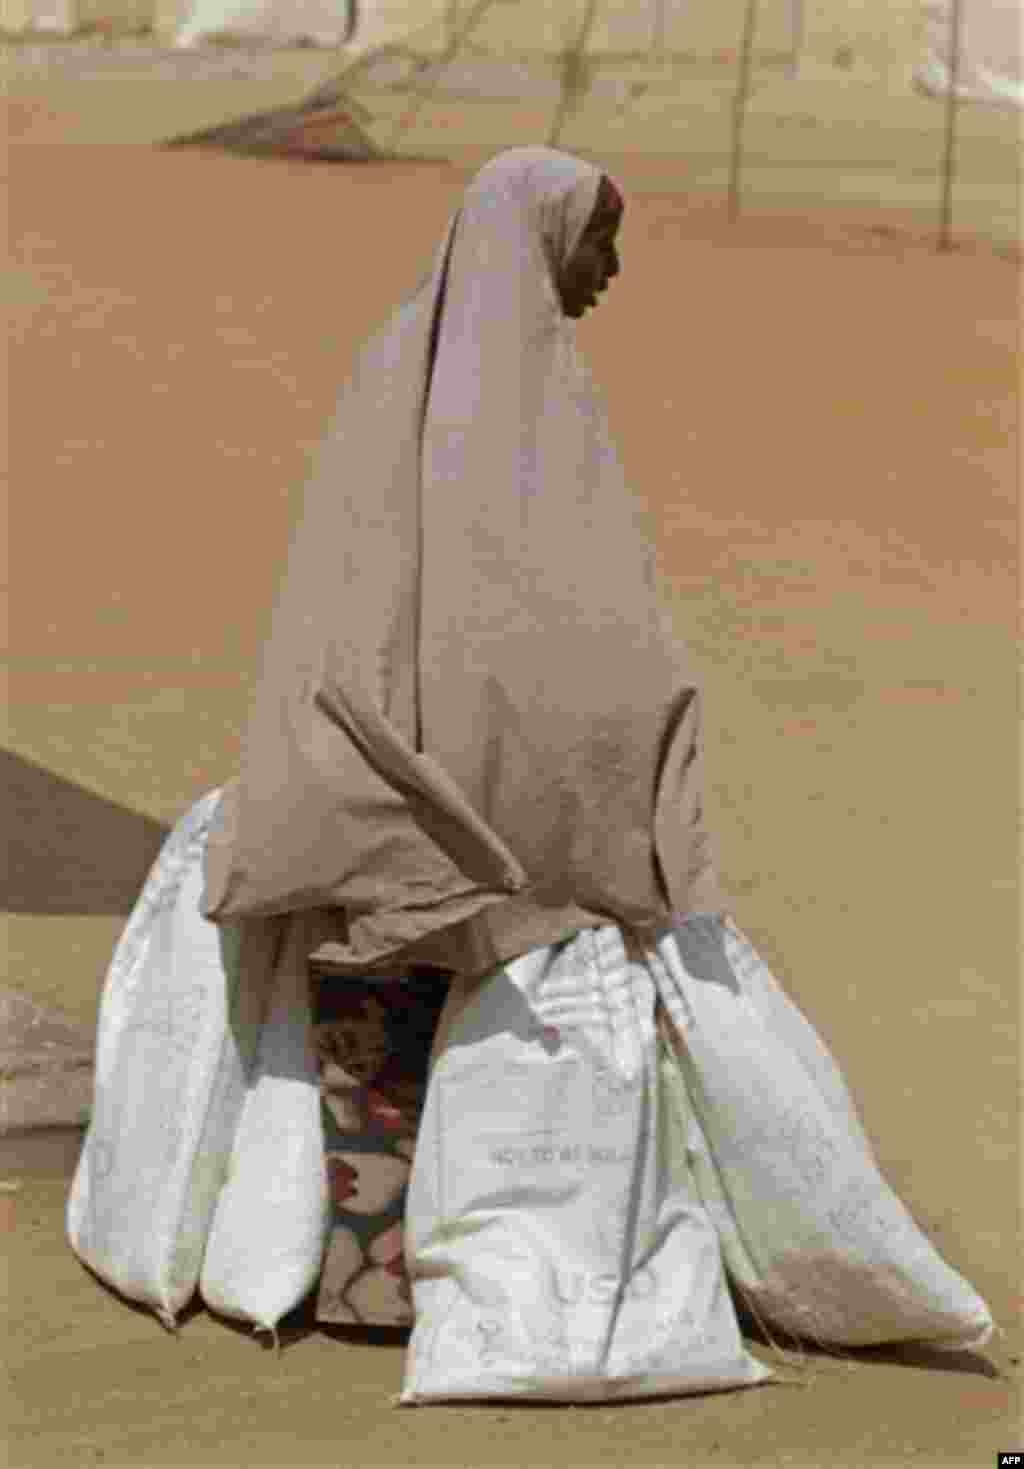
(822, 417)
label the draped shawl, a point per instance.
(473, 733)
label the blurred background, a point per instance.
(787, 103)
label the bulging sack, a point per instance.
(813, 1236)
(272, 1219)
(555, 1241)
(179, 1018)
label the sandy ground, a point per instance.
(822, 417)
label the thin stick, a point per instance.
(658, 37)
(573, 71)
(739, 109)
(952, 115)
(798, 31)
(461, 32)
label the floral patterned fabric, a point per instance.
(373, 1040)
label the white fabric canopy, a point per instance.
(327, 23)
(990, 67)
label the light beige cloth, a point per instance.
(473, 735)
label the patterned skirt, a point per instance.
(373, 1041)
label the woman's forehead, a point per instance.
(610, 193)
(608, 208)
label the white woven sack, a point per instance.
(555, 1241)
(726, 950)
(812, 1235)
(177, 1032)
(271, 1225)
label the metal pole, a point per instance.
(952, 114)
(573, 76)
(739, 109)
(798, 30)
(659, 29)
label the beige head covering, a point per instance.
(472, 735)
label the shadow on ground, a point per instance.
(897, 1354)
(69, 850)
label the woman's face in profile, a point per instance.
(595, 260)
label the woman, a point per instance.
(437, 756)
(474, 751)
(476, 744)
(473, 735)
